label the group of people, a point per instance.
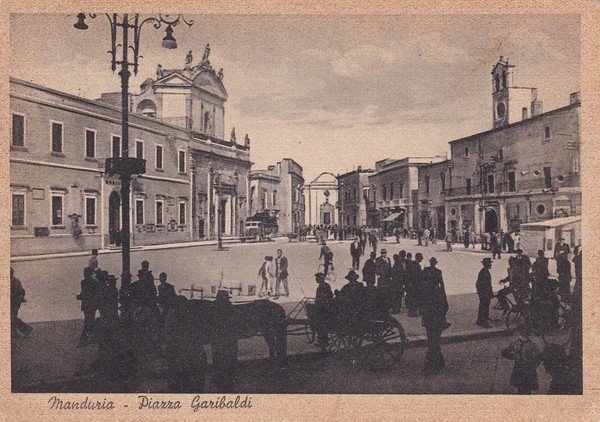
(387, 284)
(273, 273)
(99, 294)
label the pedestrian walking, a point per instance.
(327, 256)
(433, 235)
(323, 308)
(449, 241)
(398, 280)
(540, 272)
(563, 268)
(414, 285)
(467, 238)
(355, 252)
(485, 294)
(281, 274)
(495, 246)
(434, 306)
(426, 234)
(526, 356)
(17, 298)
(266, 274)
(166, 295)
(419, 236)
(108, 303)
(374, 241)
(89, 306)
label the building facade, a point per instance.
(354, 189)
(279, 189)
(394, 187)
(433, 187)
(321, 196)
(62, 200)
(525, 169)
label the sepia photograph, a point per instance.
(243, 204)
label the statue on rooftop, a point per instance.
(247, 141)
(188, 59)
(159, 71)
(206, 53)
(232, 138)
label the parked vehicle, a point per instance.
(261, 226)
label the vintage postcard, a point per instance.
(299, 213)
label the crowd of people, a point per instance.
(387, 286)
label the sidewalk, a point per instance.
(50, 355)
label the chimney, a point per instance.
(536, 105)
(525, 112)
(575, 98)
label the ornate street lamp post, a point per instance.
(125, 167)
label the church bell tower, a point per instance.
(511, 103)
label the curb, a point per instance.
(419, 341)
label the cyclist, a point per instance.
(327, 256)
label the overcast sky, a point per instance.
(330, 92)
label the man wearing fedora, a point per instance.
(434, 307)
(485, 293)
(353, 293)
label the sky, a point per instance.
(331, 92)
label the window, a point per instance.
(57, 137)
(504, 79)
(392, 190)
(512, 184)
(263, 199)
(490, 183)
(540, 209)
(139, 211)
(18, 209)
(57, 210)
(139, 149)
(385, 193)
(427, 184)
(547, 177)
(524, 113)
(18, 130)
(466, 152)
(468, 186)
(90, 211)
(159, 157)
(159, 212)
(181, 161)
(182, 213)
(116, 146)
(497, 82)
(401, 190)
(274, 198)
(443, 181)
(90, 143)
(547, 133)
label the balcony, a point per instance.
(392, 203)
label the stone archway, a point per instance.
(491, 220)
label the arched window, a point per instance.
(443, 181)
(497, 81)
(147, 108)
(504, 81)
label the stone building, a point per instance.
(321, 197)
(279, 189)
(354, 193)
(393, 194)
(61, 198)
(433, 187)
(525, 169)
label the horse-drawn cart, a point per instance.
(377, 341)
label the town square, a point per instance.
(392, 212)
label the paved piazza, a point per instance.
(52, 284)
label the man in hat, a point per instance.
(434, 306)
(89, 305)
(166, 295)
(327, 256)
(353, 293)
(524, 263)
(17, 298)
(143, 291)
(281, 274)
(383, 269)
(485, 293)
(323, 307)
(540, 271)
(414, 285)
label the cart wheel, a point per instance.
(388, 346)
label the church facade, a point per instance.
(196, 182)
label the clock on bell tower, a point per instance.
(510, 102)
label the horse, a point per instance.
(258, 318)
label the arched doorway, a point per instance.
(114, 218)
(491, 220)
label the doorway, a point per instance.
(491, 220)
(222, 209)
(114, 219)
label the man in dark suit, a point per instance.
(368, 271)
(414, 285)
(561, 249)
(281, 274)
(355, 252)
(89, 305)
(166, 295)
(485, 293)
(383, 269)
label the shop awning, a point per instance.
(392, 217)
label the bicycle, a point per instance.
(331, 272)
